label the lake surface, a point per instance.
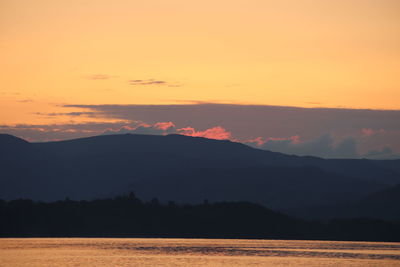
(98, 252)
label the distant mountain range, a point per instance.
(382, 204)
(186, 170)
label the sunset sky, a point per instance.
(64, 62)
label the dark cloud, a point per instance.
(72, 114)
(384, 153)
(323, 146)
(304, 131)
(346, 148)
(249, 121)
(371, 129)
(147, 82)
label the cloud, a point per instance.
(72, 114)
(26, 101)
(384, 153)
(152, 82)
(216, 132)
(159, 128)
(52, 132)
(303, 131)
(164, 125)
(247, 122)
(324, 146)
(163, 128)
(371, 132)
(146, 82)
(99, 77)
(40, 132)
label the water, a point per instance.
(98, 252)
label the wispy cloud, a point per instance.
(25, 101)
(371, 132)
(153, 82)
(99, 77)
(72, 114)
(159, 128)
(216, 132)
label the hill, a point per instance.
(128, 216)
(184, 169)
(383, 204)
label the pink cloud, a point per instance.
(169, 127)
(259, 141)
(145, 125)
(216, 132)
(370, 132)
(164, 125)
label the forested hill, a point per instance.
(127, 216)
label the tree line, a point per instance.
(128, 216)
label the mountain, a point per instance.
(386, 197)
(184, 169)
(383, 204)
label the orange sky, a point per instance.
(331, 53)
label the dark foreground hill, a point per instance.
(183, 169)
(127, 216)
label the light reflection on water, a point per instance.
(65, 252)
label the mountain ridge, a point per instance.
(182, 168)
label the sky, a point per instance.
(295, 76)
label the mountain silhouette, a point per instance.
(128, 216)
(388, 196)
(383, 204)
(184, 169)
